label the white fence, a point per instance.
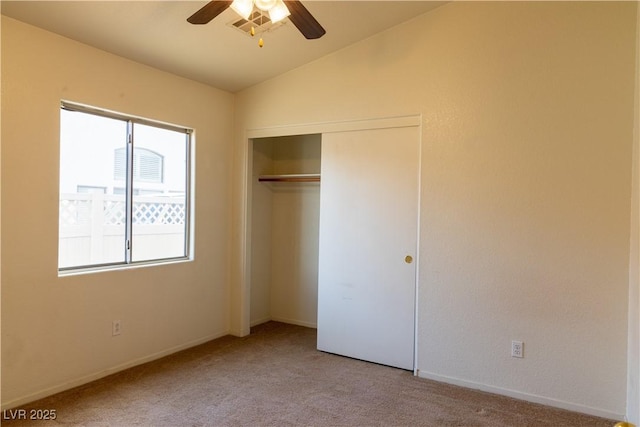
(92, 228)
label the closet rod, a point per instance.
(307, 177)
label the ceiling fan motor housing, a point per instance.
(265, 5)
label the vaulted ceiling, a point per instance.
(156, 33)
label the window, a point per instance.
(124, 190)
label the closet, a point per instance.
(285, 207)
(333, 236)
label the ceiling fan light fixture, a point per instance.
(265, 5)
(242, 7)
(278, 12)
(299, 16)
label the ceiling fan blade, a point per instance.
(209, 11)
(303, 20)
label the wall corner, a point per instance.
(633, 359)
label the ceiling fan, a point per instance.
(299, 15)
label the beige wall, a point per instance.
(56, 331)
(527, 136)
(261, 208)
(633, 380)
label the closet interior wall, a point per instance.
(284, 231)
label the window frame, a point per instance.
(129, 190)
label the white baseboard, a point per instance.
(259, 321)
(96, 376)
(295, 322)
(524, 396)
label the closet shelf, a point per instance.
(301, 177)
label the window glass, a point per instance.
(159, 217)
(124, 190)
(91, 223)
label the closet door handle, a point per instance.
(408, 259)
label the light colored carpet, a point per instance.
(276, 377)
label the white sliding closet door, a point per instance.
(368, 244)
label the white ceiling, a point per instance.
(156, 33)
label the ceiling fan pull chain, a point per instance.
(261, 42)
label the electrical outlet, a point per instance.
(116, 328)
(517, 349)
